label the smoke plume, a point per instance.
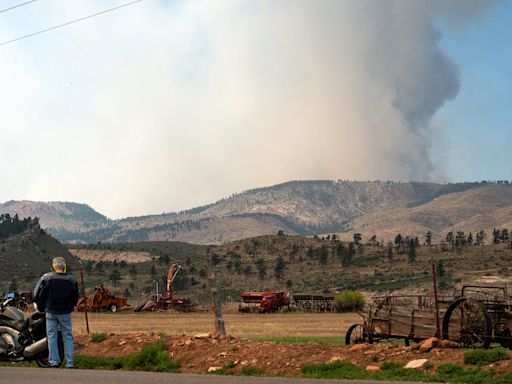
(168, 105)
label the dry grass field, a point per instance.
(240, 325)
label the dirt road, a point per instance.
(65, 376)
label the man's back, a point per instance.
(57, 292)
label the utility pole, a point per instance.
(219, 321)
(85, 296)
(438, 322)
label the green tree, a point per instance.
(13, 287)
(391, 256)
(279, 268)
(340, 252)
(88, 266)
(470, 239)
(262, 268)
(357, 238)
(428, 238)
(440, 269)
(496, 236)
(323, 255)
(460, 239)
(164, 259)
(216, 259)
(153, 271)
(238, 266)
(115, 277)
(99, 267)
(133, 271)
(504, 235)
(399, 242)
(348, 256)
(449, 239)
(248, 270)
(480, 238)
(411, 254)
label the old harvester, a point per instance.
(102, 300)
(166, 300)
(263, 302)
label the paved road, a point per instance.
(21, 375)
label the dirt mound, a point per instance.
(199, 353)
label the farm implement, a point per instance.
(263, 302)
(479, 316)
(166, 300)
(102, 300)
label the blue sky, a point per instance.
(476, 127)
(168, 105)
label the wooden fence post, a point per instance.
(219, 321)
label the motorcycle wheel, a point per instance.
(42, 359)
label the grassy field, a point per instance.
(287, 325)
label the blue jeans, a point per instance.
(54, 324)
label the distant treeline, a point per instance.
(10, 226)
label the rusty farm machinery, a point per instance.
(102, 300)
(478, 316)
(166, 300)
(263, 302)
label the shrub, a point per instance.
(335, 370)
(349, 301)
(98, 337)
(251, 371)
(152, 357)
(485, 356)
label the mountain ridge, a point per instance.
(296, 207)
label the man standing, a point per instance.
(56, 293)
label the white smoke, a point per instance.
(165, 106)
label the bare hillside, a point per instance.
(297, 208)
(477, 209)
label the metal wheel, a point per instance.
(113, 308)
(42, 358)
(357, 334)
(468, 322)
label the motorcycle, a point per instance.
(24, 339)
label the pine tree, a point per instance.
(470, 239)
(449, 238)
(262, 269)
(428, 238)
(399, 242)
(340, 252)
(133, 271)
(323, 255)
(13, 287)
(279, 268)
(390, 253)
(496, 236)
(115, 277)
(347, 259)
(412, 251)
(440, 269)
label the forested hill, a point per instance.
(26, 251)
(296, 207)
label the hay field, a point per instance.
(240, 325)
